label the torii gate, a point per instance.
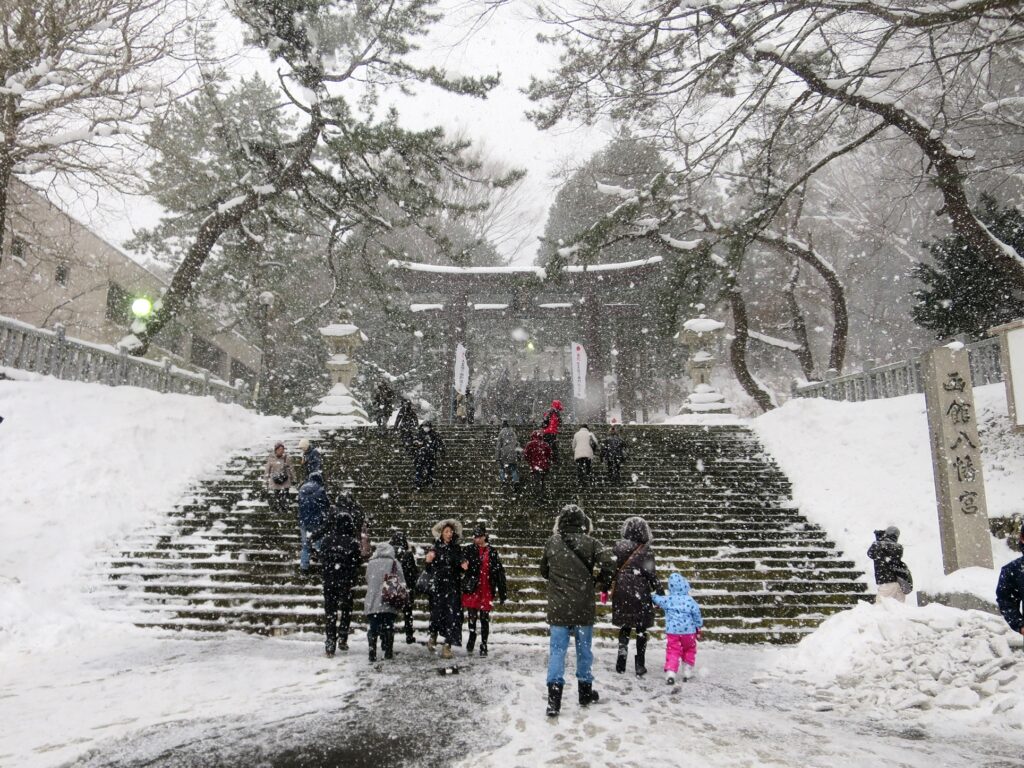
(590, 299)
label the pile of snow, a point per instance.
(84, 465)
(859, 467)
(892, 658)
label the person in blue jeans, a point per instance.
(570, 561)
(313, 507)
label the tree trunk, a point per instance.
(948, 177)
(738, 351)
(836, 292)
(798, 326)
(180, 290)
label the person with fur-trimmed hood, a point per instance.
(571, 557)
(635, 580)
(887, 555)
(446, 564)
(484, 582)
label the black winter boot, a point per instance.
(588, 695)
(471, 642)
(554, 699)
(620, 659)
(483, 647)
(641, 653)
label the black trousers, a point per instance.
(615, 470)
(407, 616)
(552, 440)
(381, 626)
(584, 468)
(337, 607)
(277, 499)
(472, 614)
(538, 476)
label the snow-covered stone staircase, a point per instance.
(720, 510)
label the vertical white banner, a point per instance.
(461, 369)
(578, 356)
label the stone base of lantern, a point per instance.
(705, 399)
(338, 410)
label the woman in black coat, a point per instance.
(484, 583)
(635, 580)
(446, 565)
(407, 560)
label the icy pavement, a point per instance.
(126, 697)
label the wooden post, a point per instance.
(956, 459)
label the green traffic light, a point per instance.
(142, 307)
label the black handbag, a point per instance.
(423, 583)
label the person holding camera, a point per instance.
(891, 574)
(278, 476)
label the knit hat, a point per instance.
(892, 532)
(480, 529)
(303, 444)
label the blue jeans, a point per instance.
(508, 473)
(559, 646)
(306, 544)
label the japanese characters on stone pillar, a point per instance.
(956, 459)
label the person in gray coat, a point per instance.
(508, 454)
(379, 615)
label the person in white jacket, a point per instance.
(583, 446)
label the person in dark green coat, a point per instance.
(571, 557)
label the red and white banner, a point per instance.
(578, 356)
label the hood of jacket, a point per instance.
(637, 530)
(892, 533)
(572, 519)
(678, 585)
(440, 524)
(383, 550)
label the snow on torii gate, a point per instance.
(586, 297)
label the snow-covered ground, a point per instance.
(85, 464)
(858, 467)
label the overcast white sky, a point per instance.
(506, 44)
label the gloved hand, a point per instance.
(604, 598)
(700, 635)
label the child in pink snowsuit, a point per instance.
(683, 624)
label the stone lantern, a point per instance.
(338, 408)
(698, 335)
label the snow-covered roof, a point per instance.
(556, 305)
(424, 307)
(703, 325)
(339, 329)
(613, 267)
(490, 306)
(446, 269)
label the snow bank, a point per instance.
(894, 658)
(858, 467)
(84, 464)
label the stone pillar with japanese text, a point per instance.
(956, 459)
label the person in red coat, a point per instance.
(550, 425)
(484, 581)
(538, 457)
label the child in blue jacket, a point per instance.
(683, 623)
